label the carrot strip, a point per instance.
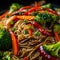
(25, 17)
(30, 32)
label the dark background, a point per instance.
(4, 4)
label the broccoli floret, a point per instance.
(46, 19)
(53, 49)
(6, 56)
(57, 28)
(14, 6)
(47, 6)
(5, 40)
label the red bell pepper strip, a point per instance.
(25, 58)
(56, 36)
(31, 10)
(50, 10)
(46, 55)
(43, 31)
(14, 43)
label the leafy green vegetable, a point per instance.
(5, 40)
(25, 21)
(30, 27)
(53, 49)
(7, 16)
(34, 13)
(37, 33)
(11, 22)
(13, 29)
(47, 6)
(46, 19)
(14, 6)
(25, 32)
(57, 28)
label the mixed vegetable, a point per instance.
(5, 55)
(46, 18)
(5, 40)
(53, 49)
(37, 20)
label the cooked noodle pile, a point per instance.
(30, 27)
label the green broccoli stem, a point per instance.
(53, 49)
(11, 10)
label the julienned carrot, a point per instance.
(30, 32)
(14, 42)
(3, 15)
(56, 37)
(25, 17)
(7, 23)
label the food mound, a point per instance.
(30, 33)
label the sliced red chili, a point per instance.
(31, 10)
(14, 43)
(43, 31)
